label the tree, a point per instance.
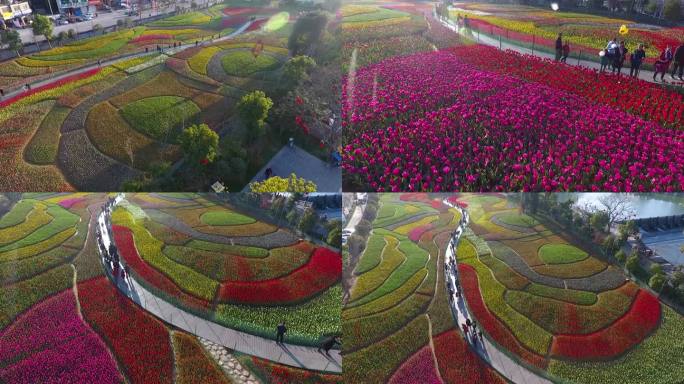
(199, 143)
(370, 212)
(13, 40)
(119, 24)
(306, 32)
(672, 10)
(307, 221)
(632, 264)
(616, 206)
(280, 184)
(253, 109)
(621, 256)
(677, 277)
(61, 37)
(297, 69)
(657, 282)
(363, 228)
(609, 245)
(599, 221)
(42, 26)
(97, 28)
(656, 269)
(335, 237)
(71, 34)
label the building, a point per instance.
(15, 13)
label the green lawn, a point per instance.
(225, 217)
(517, 219)
(160, 116)
(243, 63)
(561, 254)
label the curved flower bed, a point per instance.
(492, 325)
(322, 271)
(123, 237)
(492, 133)
(51, 343)
(614, 340)
(139, 341)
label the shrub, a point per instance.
(657, 281)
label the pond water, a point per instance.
(643, 204)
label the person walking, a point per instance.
(280, 332)
(619, 59)
(607, 57)
(329, 343)
(662, 64)
(465, 329)
(559, 46)
(678, 61)
(566, 52)
(636, 59)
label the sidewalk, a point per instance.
(482, 38)
(500, 361)
(292, 355)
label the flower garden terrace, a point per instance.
(63, 320)
(475, 118)
(397, 323)
(119, 125)
(557, 307)
(184, 28)
(525, 26)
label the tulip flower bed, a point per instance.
(631, 329)
(458, 363)
(224, 267)
(322, 271)
(306, 322)
(193, 365)
(139, 341)
(390, 259)
(415, 260)
(420, 368)
(485, 112)
(52, 85)
(637, 97)
(51, 343)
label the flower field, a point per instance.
(119, 123)
(492, 132)
(575, 314)
(398, 302)
(229, 267)
(63, 320)
(589, 33)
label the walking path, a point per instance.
(293, 355)
(491, 41)
(489, 352)
(120, 58)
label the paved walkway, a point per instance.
(287, 354)
(505, 365)
(117, 59)
(494, 42)
(328, 178)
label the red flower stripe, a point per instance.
(323, 270)
(417, 232)
(139, 341)
(123, 238)
(52, 85)
(459, 364)
(492, 325)
(144, 38)
(614, 340)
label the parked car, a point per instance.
(88, 16)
